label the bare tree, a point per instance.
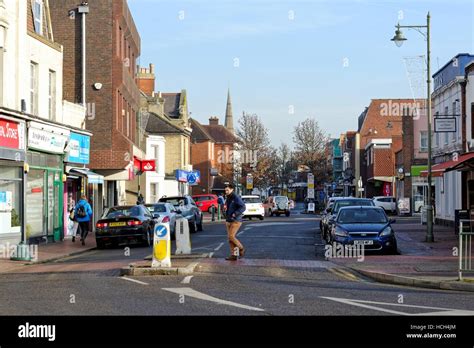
(254, 150)
(310, 147)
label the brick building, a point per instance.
(112, 96)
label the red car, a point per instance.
(206, 201)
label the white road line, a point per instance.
(133, 280)
(220, 246)
(187, 280)
(439, 311)
(201, 296)
(211, 255)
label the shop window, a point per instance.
(35, 203)
(10, 199)
(423, 141)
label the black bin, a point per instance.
(460, 214)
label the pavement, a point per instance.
(421, 264)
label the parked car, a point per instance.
(164, 212)
(253, 207)
(131, 224)
(279, 205)
(388, 203)
(323, 222)
(365, 225)
(338, 204)
(206, 202)
(186, 207)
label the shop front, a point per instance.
(12, 160)
(44, 186)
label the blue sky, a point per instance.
(324, 59)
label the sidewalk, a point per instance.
(421, 264)
(50, 252)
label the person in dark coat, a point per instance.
(235, 208)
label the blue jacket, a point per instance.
(234, 205)
(87, 208)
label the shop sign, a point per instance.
(46, 141)
(79, 149)
(148, 165)
(181, 175)
(12, 134)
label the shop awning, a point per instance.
(92, 177)
(463, 162)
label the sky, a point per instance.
(287, 60)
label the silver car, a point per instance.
(165, 212)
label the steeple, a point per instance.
(229, 119)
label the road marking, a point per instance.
(133, 280)
(211, 255)
(201, 296)
(344, 274)
(361, 303)
(220, 246)
(187, 280)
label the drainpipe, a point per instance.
(83, 9)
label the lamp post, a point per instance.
(399, 39)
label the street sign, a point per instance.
(310, 193)
(249, 182)
(444, 124)
(161, 246)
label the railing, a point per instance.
(466, 232)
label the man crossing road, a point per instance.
(235, 207)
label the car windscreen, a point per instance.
(360, 216)
(281, 199)
(157, 208)
(174, 201)
(251, 200)
(201, 198)
(119, 212)
(343, 203)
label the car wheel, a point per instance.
(199, 225)
(192, 226)
(147, 239)
(287, 214)
(100, 244)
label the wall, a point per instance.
(157, 177)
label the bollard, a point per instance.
(161, 246)
(183, 240)
(213, 213)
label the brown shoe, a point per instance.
(242, 252)
(231, 258)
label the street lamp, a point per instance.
(399, 39)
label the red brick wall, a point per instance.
(106, 63)
(201, 161)
(147, 86)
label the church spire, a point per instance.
(229, 119)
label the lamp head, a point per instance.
(398, 37)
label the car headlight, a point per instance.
(386, 231)
(338, 231)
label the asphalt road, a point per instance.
(283, 273)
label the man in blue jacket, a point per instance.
(235, 207)
(83, 215)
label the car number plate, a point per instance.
(117, 224)
(252, 210)
(364, 242)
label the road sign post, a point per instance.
(161, 246)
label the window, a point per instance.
(423, 141)
(52, 95)
(33, 88)
(38, 16)
(155, 152)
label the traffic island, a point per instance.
(182, 265)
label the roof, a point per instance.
(171, 104)
(199, 133)
(220, 134)
(158, 125)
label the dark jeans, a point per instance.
(84, 226)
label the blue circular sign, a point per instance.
(192, 178)
(160, 231)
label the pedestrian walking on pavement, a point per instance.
(140, 200)
(235, 207)
(83, 215)
(221, 202)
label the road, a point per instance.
(283, 273)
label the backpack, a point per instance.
(81, 211)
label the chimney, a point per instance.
(213, 121)
(146, 80)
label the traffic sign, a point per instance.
(161, 246)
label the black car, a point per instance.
(338, 204)
(125, 224)
(367, 226)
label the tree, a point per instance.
(284, 165)
(254, 151)
(310, 147)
